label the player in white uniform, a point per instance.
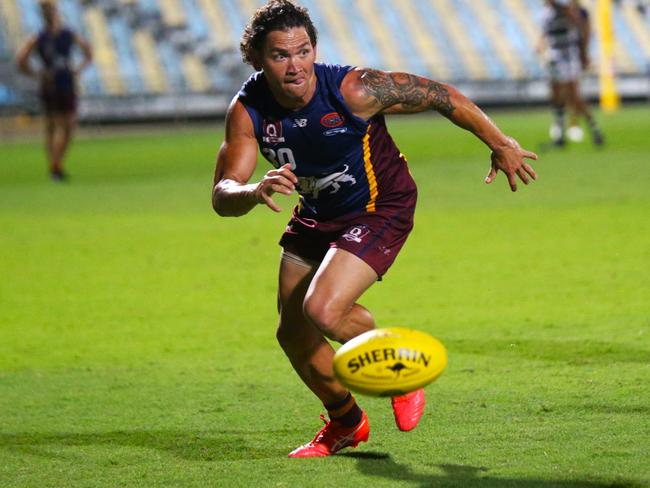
(565, 42)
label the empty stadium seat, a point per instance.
(179, 46)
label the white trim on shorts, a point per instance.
(298, 260)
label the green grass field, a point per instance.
(137, 328)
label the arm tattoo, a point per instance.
(412, 92)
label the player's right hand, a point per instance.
(280, 180)
(510, 159)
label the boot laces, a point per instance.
(327, 433)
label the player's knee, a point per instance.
(288, 335)
(68, 128)
(325, 317)
(296, 339)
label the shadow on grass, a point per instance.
(572, 352)
(224, 445)
(382, 465)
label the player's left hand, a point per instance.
(510, 159)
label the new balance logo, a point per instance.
(300, 122)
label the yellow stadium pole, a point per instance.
(609, 98)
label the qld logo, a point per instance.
(332, 119)
(272, 132)
(356, 233)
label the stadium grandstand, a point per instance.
(170, 57)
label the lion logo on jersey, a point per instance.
(312, 186)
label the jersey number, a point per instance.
(282, 156)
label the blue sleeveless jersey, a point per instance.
(55, 51)
(344, 164)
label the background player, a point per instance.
(565, 39)
(323, 129)
(57, 82)
(574, 131)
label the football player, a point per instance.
(322, 127)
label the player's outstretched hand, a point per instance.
(281, 180)
(510, 160)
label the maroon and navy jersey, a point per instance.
(344, 164)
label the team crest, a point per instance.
(272, 132)
(332, 119)
(356, 233)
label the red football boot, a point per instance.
(408, 409)
(334, 437)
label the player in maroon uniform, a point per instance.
(57, 78)
(295, 111)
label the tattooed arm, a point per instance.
(369, 92)
(403, 92)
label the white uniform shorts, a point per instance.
(565, 69)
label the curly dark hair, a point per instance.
(275, 15)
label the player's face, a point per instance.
(287, 59)
(49, 13)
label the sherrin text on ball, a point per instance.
(390, 362)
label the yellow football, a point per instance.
(389, 362)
